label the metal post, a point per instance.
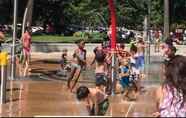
(113, 70)
(3, 83)
(148, 29)
(13, 59)
(166, 19)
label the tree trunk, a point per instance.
(166, 19)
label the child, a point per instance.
(140, 54)
(98, 52)
(64, 64)
(101, 67)
(96, 100)
(124, 76)
(122, 53)
(135, 72)
(79, 60)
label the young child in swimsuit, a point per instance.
(26, 39)
(79, 60)
(96, 100)
(64, 64)
(124, 76)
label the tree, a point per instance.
(166, 19)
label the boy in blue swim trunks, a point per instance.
(124, 76)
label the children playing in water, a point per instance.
(78, 62)
(96, 100)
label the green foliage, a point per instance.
(93, 13)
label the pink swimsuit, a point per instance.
(27, 39)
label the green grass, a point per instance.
(61, 39)
(54, 39)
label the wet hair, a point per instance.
(79, 41)
(175, 74)
(122, 45)
(169, 41)
(100, 56)
(133, 48)
(173, 51)
(82, 92)
(100, 81)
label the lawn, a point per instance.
(61, 39)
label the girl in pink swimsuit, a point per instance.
(26, 50)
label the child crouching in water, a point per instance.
(96, 100)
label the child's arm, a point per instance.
(88, 107)
(62, 64)
(93, 61)
(125, 74)
(159, 95)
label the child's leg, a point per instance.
(109, 86)
(78, 72)
(71, 77)
(25, 73)
(122, 84)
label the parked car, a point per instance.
(37, 30)
(124, 36)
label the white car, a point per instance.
(37, 29)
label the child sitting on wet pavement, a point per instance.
(64, 64)
(96, 100)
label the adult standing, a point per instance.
(26, 40)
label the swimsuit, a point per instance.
(102, 106)
(101, 76)
(124, 81)
(171, 106)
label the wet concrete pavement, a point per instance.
(51, 98)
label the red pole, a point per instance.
(113, 43)
(113, 24)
